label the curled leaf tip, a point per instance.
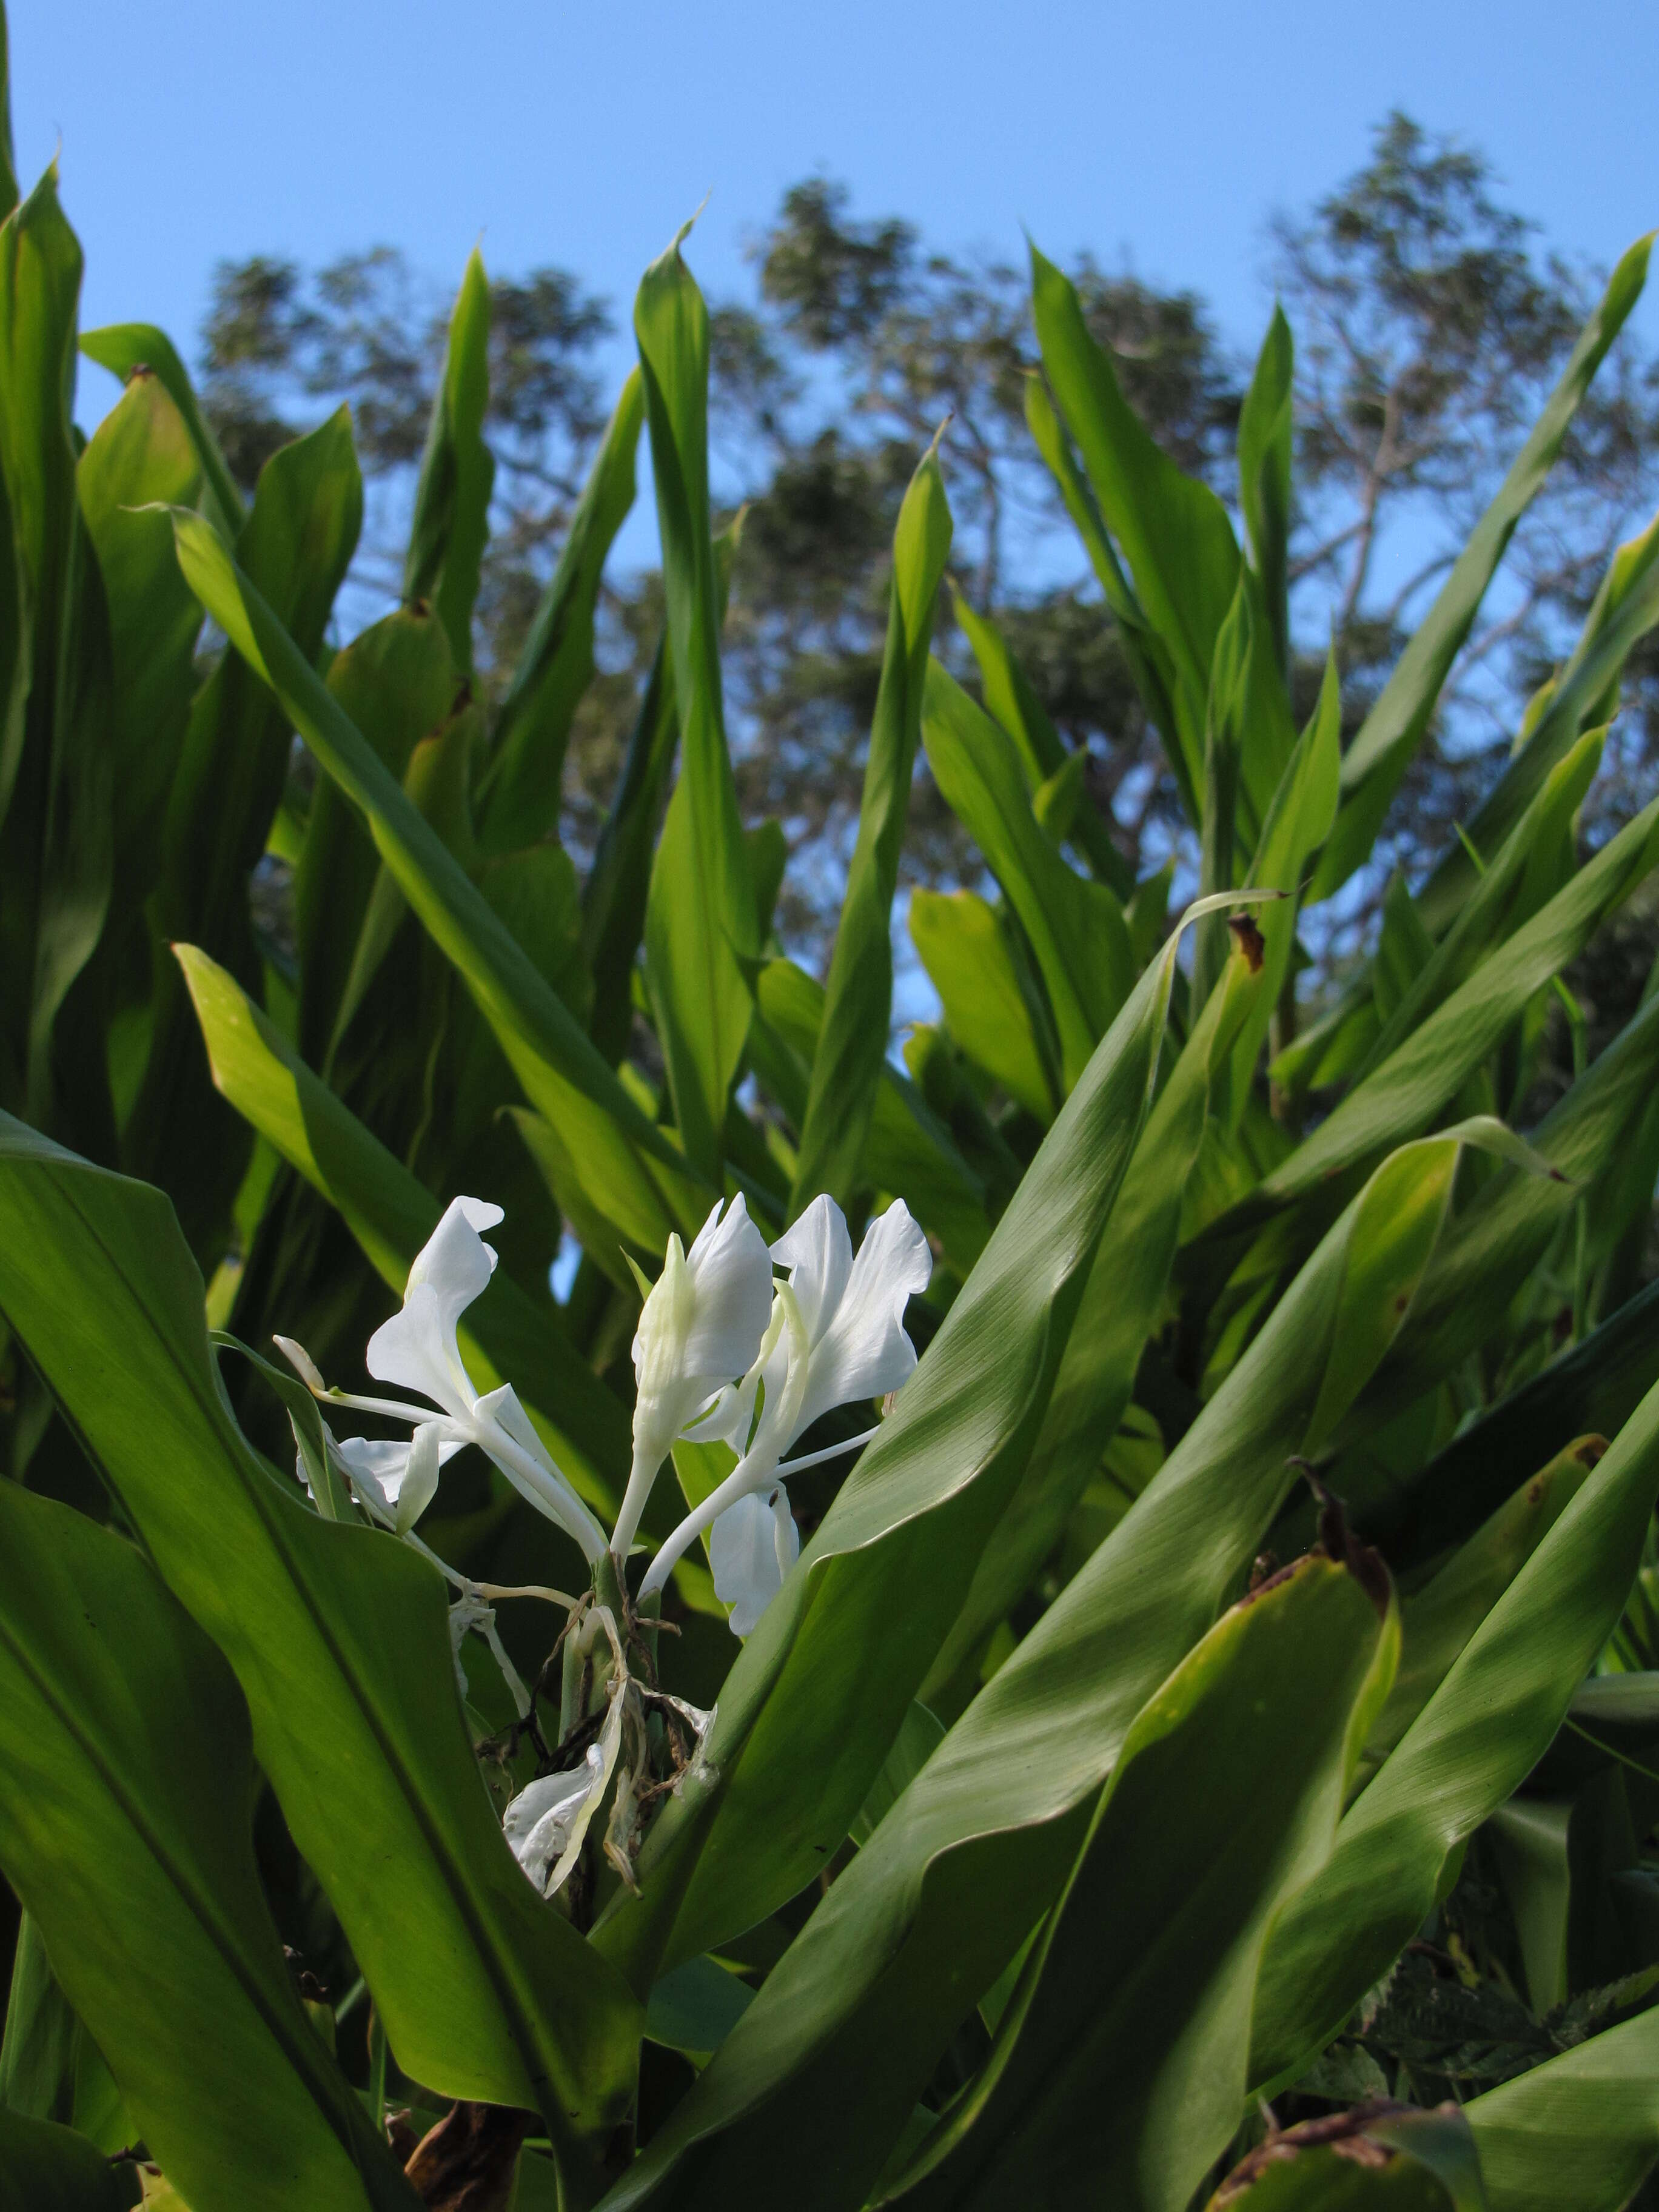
(1345, 2134)
(690, 222)
(1339, 1543)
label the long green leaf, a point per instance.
(1149, 660)
(1043, 754)
(77, 849)
(1506, 1228)
(124, 1824)
(1296, 823)
(1119, 2067)
(1174, 530)
(139, 454)
(1626, 608)
(963, 943)
(562, 1072)
(50, 2067)
(337, 1635)
(297, 543)
(1126, 1286)
(458, 473)
(1595, 1386)
(1428, 1069)
(1533, 862)
(1076, 927)
(1376, 760)
(1474, 1741)
(519, 794)
(37, 2052)
(1264, 476)
(397, 683)
(615, 893)
(48, 757)
(859, 995)
(701, 920)
(127, 349)
(1577, 2135)
(392, 1213)
(47, 2168)
(8, 156)
(1225, 727)
(1439, 1619)
(40, 266)
(853, 2019)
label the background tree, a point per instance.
(1429, 331)
(1429, 324)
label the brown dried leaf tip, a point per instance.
(1337, 1541)
(1342, 2133)
(469, 2162)
(1248, 940)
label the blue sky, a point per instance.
(581, 135)
(1160, 135)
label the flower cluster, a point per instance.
(725, 1353)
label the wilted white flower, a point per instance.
(545, 1823)
(472, 1613)
(551, 1813)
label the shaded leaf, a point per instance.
(124, 1826)
(339, 1637)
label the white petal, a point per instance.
(700, 1328)
(419, 1485)
(412, 1351)
(751, 1548)
(545, 1831)
(731, 1419)
(378, 1471)
(731, 1272)
(417, 1347)
(501, 1407)
(818, 1255)
(539, 1821)
(455, 1260)
(499, 1415)
(786, 1537)
(729, 1416)
(863, 1352)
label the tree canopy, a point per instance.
(1429, 321)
